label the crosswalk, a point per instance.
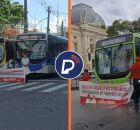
(55, 88)
(18, 86)
(37, 87)
(44, 87)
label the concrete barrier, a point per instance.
(75, 84)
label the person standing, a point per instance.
(135, 75)
(85, 76)
(25, 63)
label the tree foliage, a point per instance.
(10, 13)
(10, 33)
(123, 26)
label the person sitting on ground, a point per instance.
(85, 76)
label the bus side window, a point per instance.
(65, 45)
(51, 48)
(137, 46)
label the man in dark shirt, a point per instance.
(135, 75)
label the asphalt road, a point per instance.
(36, 105)
(103, 117)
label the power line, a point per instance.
(50, 10)
(53, 11)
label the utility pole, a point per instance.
(62, 29)
(58, 17)
(48, 23)
(25, 17)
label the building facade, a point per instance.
(87, 28)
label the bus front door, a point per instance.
(10, 55)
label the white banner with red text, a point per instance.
(105, 93)
(16, 75)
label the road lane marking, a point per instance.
(55, 88)
(65, 92)
(113, 106)
(20, 86)
(37, 87)
(8, 85)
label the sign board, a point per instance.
(13, 75)
(114, 40)
(30, 37)
(105, 93)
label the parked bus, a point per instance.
(7, 53)
(114, 56)
(41, 48)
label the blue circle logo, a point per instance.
(69, 65)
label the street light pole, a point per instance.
(25, 17)
(48, 23)
(62, 29)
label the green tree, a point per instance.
(113, 29)
(10, 12)
(120, 27)
(10, 15)
(16, 13)
(136, 25)
(4, 10)
(123, 27)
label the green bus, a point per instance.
(114, 56)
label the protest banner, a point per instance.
(12, 75)
(105, 93)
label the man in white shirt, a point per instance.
(25, 62)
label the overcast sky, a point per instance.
(111, 10)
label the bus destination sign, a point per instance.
(114, 40)
(24, 37)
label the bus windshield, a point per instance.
(1, 51)
(114, 59)
(36, 49)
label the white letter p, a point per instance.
(66, 71)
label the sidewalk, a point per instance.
(103, 117)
